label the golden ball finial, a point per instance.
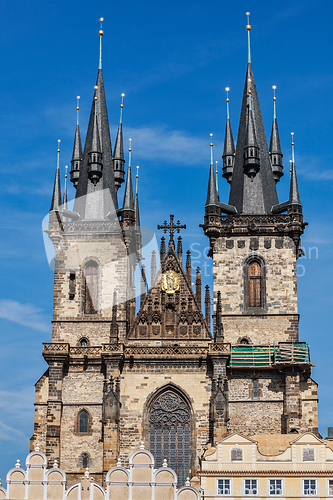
(250, 91)
(227, 99)
(101, 32)
(248, 26)
(96, 87)
(121, 105)
(65, 176)
(274, 98)
(137, 176)
(95, 98)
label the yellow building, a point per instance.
(266, 466)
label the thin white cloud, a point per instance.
(24, 314)
(165, 145)
(8, 433)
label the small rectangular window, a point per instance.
(308, 455)
(309, 487)
(223, 486)
(275, 486)
(236, 454)
(251, 487)
(255, 389)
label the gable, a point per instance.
(307, 438)
(170, 310)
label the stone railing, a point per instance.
(55, 348)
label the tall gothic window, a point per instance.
(169, 433)
(91, 288)
(83, 422)
(254, 284)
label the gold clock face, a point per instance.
(170, 281)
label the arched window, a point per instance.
(169, 433)
(83, 422)
(85, 460)
(254, 273)
(83, 342)
(244, 342)
(91, 288)
(254, 284)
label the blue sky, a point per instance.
(173, 61)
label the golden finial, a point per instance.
(122, 100)
(130, 145)
(58, 150)
(101, 32)
(248, 26)
(66, 167)
(77, 103)
(274, 88)
(137, 171)
(95, 96)
(216, 171)
(227, 101)
(292, 148)
(211, 149)
(211, 140)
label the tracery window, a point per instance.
(169, 433)
(254, 273)
(91, 288)
(84, 460)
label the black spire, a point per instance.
(118, 153)
(56, 196)
(128, 203)
(106, 200)
(252, 195)
(212, 194)
(228, 156)
(77, 150)
(275, 148)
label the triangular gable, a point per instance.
(170, 310)
(236, 438)
(307, 437)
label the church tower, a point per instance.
(255, 244)
(116, 377)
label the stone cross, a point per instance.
(171, 227)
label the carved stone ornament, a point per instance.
(170, 281)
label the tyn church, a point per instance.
(161, 375)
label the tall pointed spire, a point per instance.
(128, 195)
(212, 195)
(136, 200)
(252, 195)
(228, 156)
(77, 149)
(274, 146)
(56, 197)
(294, 198)
(100, 205)
(64, 201)
(118, 153)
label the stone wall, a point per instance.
(277, 319)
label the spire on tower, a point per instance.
(212, 195)
(56, 197)
(118, 153)
(294, 198)
(128, 195)
(136, 200)
(77, 149)
(274, 146)
(228, 156)
(100, 205)
(252, 195)
(64, 202)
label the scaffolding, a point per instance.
(269, 355)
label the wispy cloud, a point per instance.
(175, 146)
(24, 314)
(8, 433)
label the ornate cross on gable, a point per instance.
(171, 227)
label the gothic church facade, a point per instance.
(163, 375)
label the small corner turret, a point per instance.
(118, 154)
(228, 156)
(77, 150)
(274, 146)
